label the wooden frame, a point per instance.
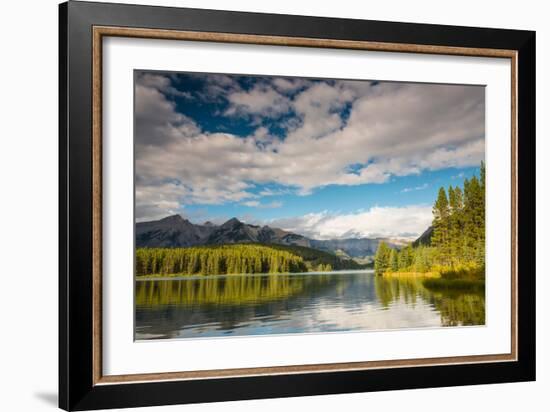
(82, 27)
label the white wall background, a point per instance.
(28, 205)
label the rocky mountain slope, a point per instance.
(175, 231)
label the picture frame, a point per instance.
(82, 28)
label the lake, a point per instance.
(239, 305)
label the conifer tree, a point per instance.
(394, 260)
(382, 258)
(480, 258)
(456, 226)
(458, 237)
(213, 260)
(406, 257)
(440, 237)
(474, 219)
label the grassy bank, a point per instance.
(470, 278)
(411, 274)
(153, 276)
(454, 284)
(464, 278)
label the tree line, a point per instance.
(319, 260)
(457, 243)
(218, 260)
(229, 290)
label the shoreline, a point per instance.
(431, 275)
(198, 276)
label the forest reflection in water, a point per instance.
(296, 303)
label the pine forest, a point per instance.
(456, 249)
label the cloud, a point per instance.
(273, 205)
(217, 86)
(255, 203)
(161, 83)
(275, 192)
(413, 189)
(251, 203)
(261, 100)
(289, 85)
(157, 201)
(406, 222)
(156, 120)
(391, 129)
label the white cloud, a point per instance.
(286, 85)
(319, 109)
(406, 222)
(251, 203)
(161, 83)
(260, 100)
(275, 192)
(217, 86)
(273, 205)
(154, 202)
(413, 189)
(392, 129)
(157, 122)
(255, 203)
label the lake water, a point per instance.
(238, 305)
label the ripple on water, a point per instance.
(235, 305)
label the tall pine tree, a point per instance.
(440, 237)
(394, 260)
(382, 258)
(456, 225)
(458, 237)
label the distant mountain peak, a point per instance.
(173, 218)
(176, 231)
(232, 222)
(425, 238)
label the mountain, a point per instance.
(359, 247)
(425, 238)
(235, 231)
(172, 231)
(175, 231)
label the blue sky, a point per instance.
(321, 157)
(398, 192)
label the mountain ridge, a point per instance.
(176, 231)
(425, 239)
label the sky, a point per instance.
(325, 158)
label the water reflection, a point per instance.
(271, 304)
(457, 308)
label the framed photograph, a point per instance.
(256, 206)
